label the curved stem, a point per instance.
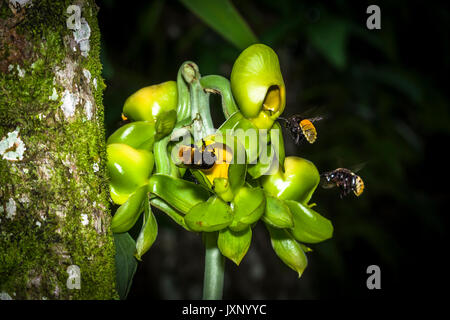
(184, 102)
(221, 85)
(200, 110)
(214, 268)
(162, 160)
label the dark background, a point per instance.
(385, 93)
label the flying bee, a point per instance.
(191, 157)
(344, 179)
(301, 128)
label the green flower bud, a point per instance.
(287, 249)
(212, 215)
(128, 169)
(139, 135)
(180, 194)
(309, 226)
(298, 182)
(234, 245)
(150, 103)
(248, 206)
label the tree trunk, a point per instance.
(55, 240)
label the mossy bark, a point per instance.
(54, 209)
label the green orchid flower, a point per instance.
(156, 104)
(129, 168)
(258, 86)
(298, 181)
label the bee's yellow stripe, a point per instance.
(359, 187)
(309, 131)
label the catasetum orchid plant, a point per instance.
(216, 182)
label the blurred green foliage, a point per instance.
(385, 93)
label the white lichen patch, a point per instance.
(10, 208)
(98, 225)
(45, 172)
(87, 75)
(95, 167)
(5, 296)
(81, 36)
(69, 102)
(42, 214)
(88, 109)
(12, 147)
(54, 95)
(65, 76)
(60, 212)
(95, 83)
(73, 94)
(24, 199)
(84, 219)
(56, 291)
(21, 3)
(20, 71)
(36, 281)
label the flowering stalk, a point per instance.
(202, 127)
(214, 268)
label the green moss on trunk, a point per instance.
(54, 209)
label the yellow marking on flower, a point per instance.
(272, 100)
(224, 158)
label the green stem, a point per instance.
(214, 268)
(221, 85)
(184, 99)
(162, 160)
(200, 110)
(203, 126)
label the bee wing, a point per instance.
(324, 183)
(357, 167)
(315, 113)
(315, 119)
(327, 185)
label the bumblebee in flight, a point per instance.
(344, 179)
(301, 128)
(191, 157)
